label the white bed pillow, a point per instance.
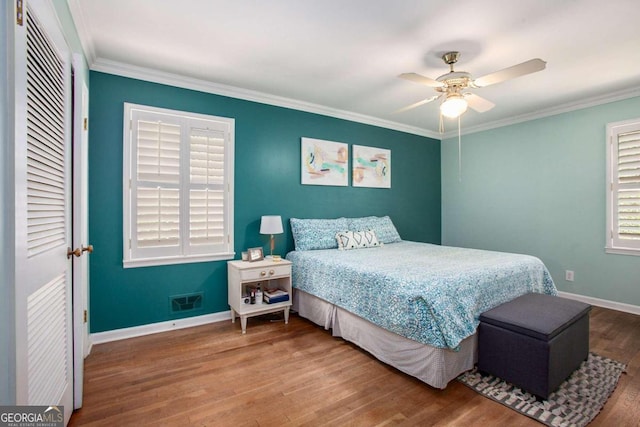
(357, 239)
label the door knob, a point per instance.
(88, 248)
(77, 252)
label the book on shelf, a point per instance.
(272, 296)
(274, 300)
(275, 292)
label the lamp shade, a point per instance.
(271, 224)
(453, 106)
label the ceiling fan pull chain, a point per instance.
(441, 125)
(459, 151)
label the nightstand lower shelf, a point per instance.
(260, 309)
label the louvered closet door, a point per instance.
(43, 277)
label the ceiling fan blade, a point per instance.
(528, 67)
(417, 78)
(417, 104)
(478, 103)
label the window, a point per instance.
(178, 187)
(623, 198)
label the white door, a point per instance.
(43, 288)
(80, 229)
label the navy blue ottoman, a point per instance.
(534, 342)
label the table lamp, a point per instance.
(271, 224)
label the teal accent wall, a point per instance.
(539, 188)
(267, 181)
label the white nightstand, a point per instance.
(243, 275)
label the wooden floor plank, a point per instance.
(299, 375)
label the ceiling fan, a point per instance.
(453, 86)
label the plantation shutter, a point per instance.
(206, 197)
(629, 186)
(158, 176)
(179, 202)
(625, 186)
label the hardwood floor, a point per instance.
(298, 375)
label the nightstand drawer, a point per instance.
(265, 272)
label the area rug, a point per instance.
(577, 401)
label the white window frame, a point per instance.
(183, 251)
(614, 243)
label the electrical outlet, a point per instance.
(568, 276)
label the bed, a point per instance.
(414, 306)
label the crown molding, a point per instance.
(81, 27)
(155, 76)
(559, 109)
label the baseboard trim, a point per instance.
(154, 328)
(620, 306)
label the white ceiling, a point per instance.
(342, 57)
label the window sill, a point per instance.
(622, 251)
(151, 262)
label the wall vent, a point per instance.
(182, 303)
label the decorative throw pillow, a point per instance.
(357, 239)
(310, 234)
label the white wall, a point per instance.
(539, 188)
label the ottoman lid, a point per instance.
(536, 315)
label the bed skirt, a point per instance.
(432, 365)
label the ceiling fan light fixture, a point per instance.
(454, 106)
(451, 86)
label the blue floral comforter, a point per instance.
(428, 293)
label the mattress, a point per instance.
(427, 293)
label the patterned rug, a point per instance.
(578, 400)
